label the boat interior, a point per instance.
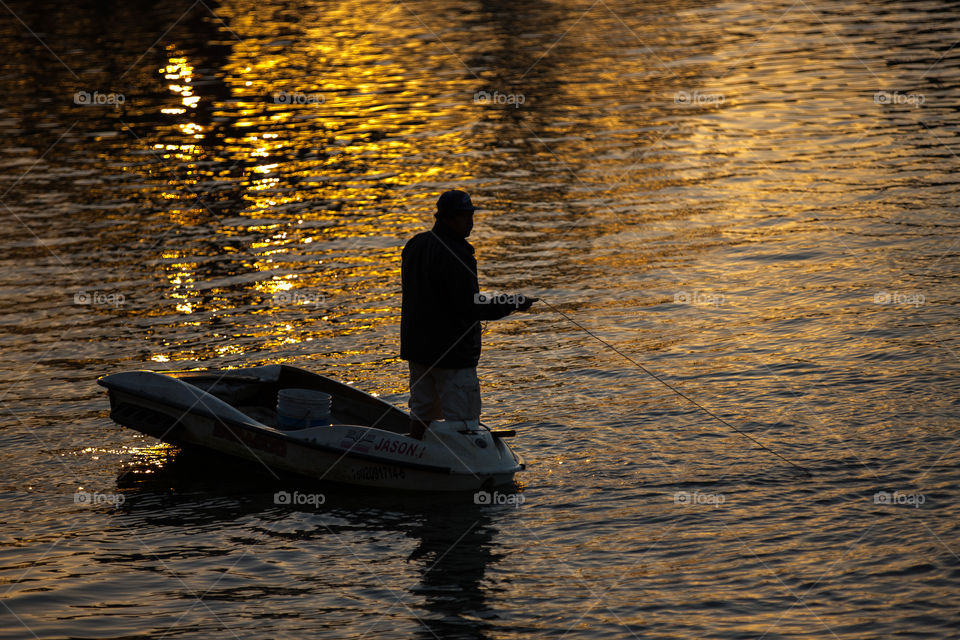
(257, 397)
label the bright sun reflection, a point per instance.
(302, 222)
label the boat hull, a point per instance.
(350, 454)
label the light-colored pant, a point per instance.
(448, 394)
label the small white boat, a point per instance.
(235, 412)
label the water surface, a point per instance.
(757, 201)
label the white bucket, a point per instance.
(302, 408)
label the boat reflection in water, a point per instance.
(341, 541)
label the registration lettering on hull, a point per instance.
(254, 440)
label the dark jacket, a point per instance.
(440, 318)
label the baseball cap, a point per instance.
(454, 201)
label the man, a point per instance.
(441, 314)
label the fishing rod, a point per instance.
(675, 390)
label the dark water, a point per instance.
(756, 200)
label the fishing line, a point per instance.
(674, 389)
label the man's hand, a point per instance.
(526, 304)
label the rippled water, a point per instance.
(758, 201)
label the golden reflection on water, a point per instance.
(149, 459)
(301, 199)
(181, 72)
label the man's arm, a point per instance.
(461, 291)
